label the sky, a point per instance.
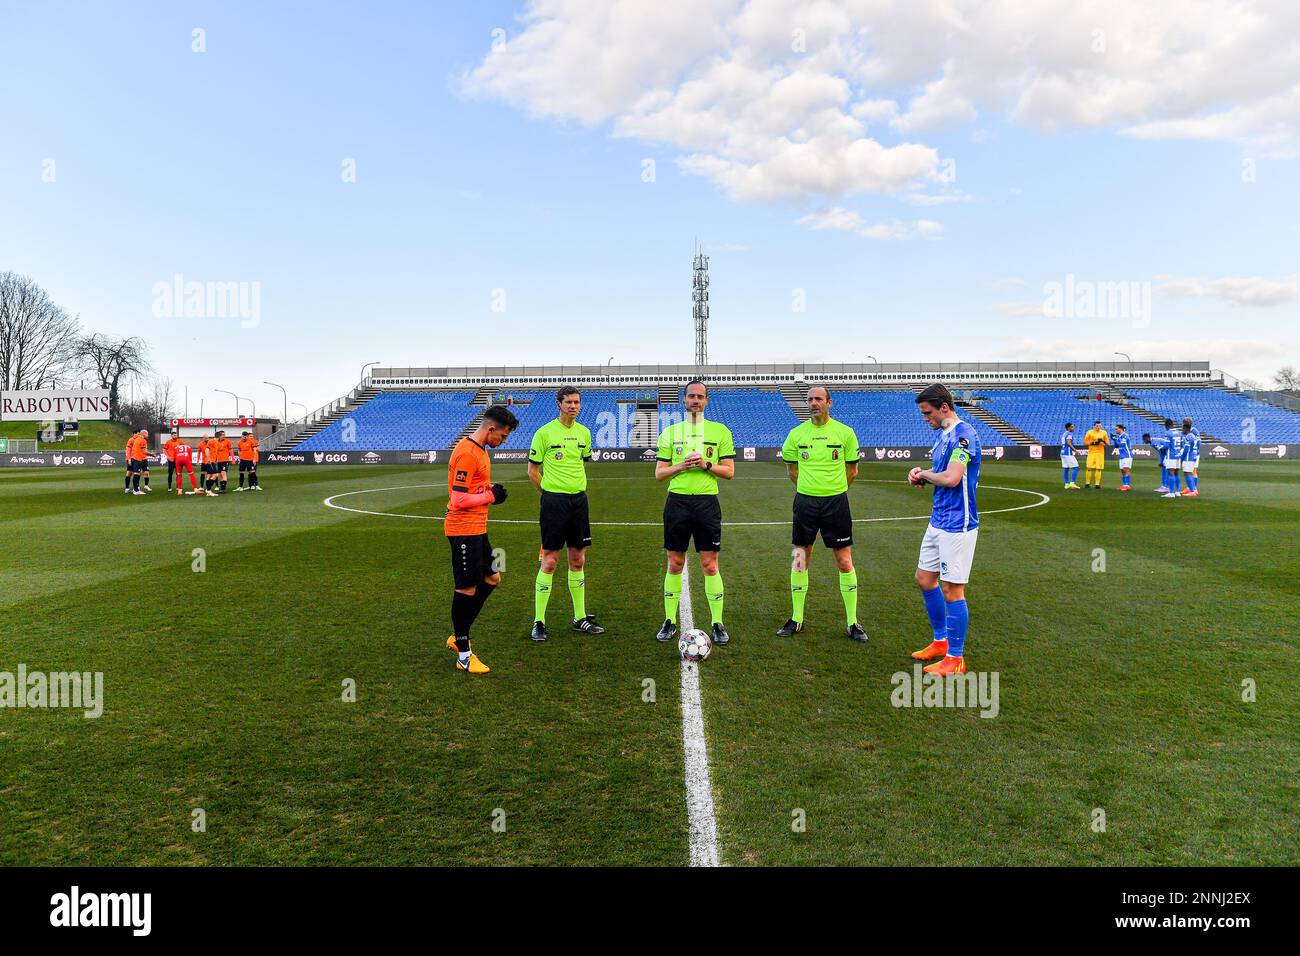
(506, 183)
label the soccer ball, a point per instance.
(695, 645)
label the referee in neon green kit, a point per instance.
(557, 466)
(821, 457)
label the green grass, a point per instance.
(95, 436)
(1120, 690)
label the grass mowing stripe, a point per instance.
(703, 827)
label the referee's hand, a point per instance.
(499, 494)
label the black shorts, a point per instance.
(246, 465)
(208, 468)
(692, 516)
(828, 515)
(134, 466)
(471, 559)
(565, 521)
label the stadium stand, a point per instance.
(891, 418)
(1042, 413)
(401, 409)
(396, 421)
(1221, 414)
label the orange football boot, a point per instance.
(948, 666)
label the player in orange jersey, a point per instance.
(471, 492)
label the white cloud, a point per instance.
(1243, 290)
(773, 99)
(935, 199)
(846, 220)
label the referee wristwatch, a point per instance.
(708, 466)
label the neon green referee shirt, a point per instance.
(560, 453)
(821, 452)
(711, 439)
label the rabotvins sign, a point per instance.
(47, 405)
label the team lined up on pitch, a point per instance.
(821, 457)
(213, 456)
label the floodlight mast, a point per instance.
(700, 307)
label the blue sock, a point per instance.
(1123, 480)
(1065, 472)
(938, 616)
(958, 618)
(1194, 482)
(1074, 475)
(1173, 485)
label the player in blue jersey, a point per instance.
(1173, 458)
(1069, 456)
(1124, 448)
(1191, 462)
(1161, 444)
(948, 547)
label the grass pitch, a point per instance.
(1120, 689)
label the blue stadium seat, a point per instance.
(1225, 415)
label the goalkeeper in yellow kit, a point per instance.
(1096, 439)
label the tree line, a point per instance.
(43, 347)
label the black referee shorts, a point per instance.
(471, 559)
(827, 515)
(692, 516)
(565, 521)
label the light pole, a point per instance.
(286, 400)
(302, 406)
(232, 395)
(250, 401)
(363, 371)
(1130, 364)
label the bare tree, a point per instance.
(38, 340)
(1287, 379)
(113, 361)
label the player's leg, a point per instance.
(708, 543)
(803, 535)
(1101, 466)
(135, 478)
(470, 582)
(252, 476)
(927, 579)
(677, 538)
(171, 473)
(225, 476)
(126, 483)
(243, 469)
(577, 535)
(956, 554)
(542, 585)
(552, 533)
(672, 593)
(145, 475)
(836, 527)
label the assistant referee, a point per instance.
(821, 457)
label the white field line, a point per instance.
(702, 828)
(329, 503)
